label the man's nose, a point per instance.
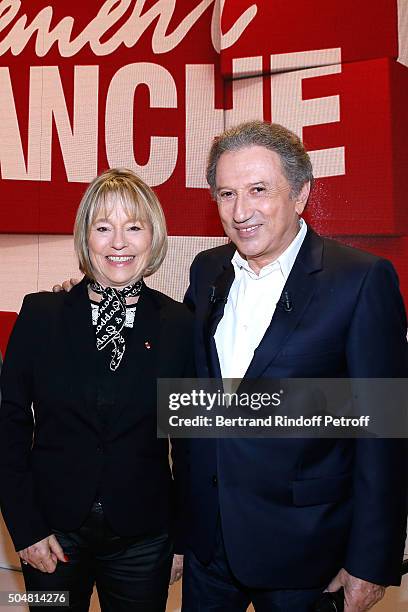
(243, 210)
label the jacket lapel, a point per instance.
(81, 344)
(300, 287)
(77, 316)
(217, 300)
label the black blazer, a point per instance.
(52, 363)
(294, 511)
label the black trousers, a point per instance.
(214, 588)
(131, 573)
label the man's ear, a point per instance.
(302, 198)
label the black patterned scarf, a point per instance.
(112, 318)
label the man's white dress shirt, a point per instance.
(250, 307)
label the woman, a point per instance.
(86, 488)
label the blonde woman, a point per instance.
(86, 487)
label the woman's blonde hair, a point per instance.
(140, 203)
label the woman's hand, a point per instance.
(44, 555)
(176, 568)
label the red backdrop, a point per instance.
(147, 84)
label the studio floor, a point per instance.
(396, 600)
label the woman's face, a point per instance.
(119, 247)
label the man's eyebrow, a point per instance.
(261, 182)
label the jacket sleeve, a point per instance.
(19, 506)
(377, 348)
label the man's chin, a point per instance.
(245, 251)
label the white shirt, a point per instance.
(251, 304)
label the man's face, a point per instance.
(254, 204)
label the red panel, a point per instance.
(48, 206)
(363, 30)
(371, 197)
(7, 320)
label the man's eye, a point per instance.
(225, 195)
(258, 189)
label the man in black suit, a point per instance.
(277, 521)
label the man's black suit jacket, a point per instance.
(294, 511)
(76, 455)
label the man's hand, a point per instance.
(176, 568)
(43, 555)
(359, 595)
(66, 285)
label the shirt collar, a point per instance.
(284, 262)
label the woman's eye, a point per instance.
(102, 228)
(135, 228)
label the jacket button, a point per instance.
(214, 481)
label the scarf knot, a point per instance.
(112, 317)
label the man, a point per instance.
(277, 521)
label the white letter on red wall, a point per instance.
(203, 121)
(289, 108)
(12, 163)
(120, 116)
(78, 143)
